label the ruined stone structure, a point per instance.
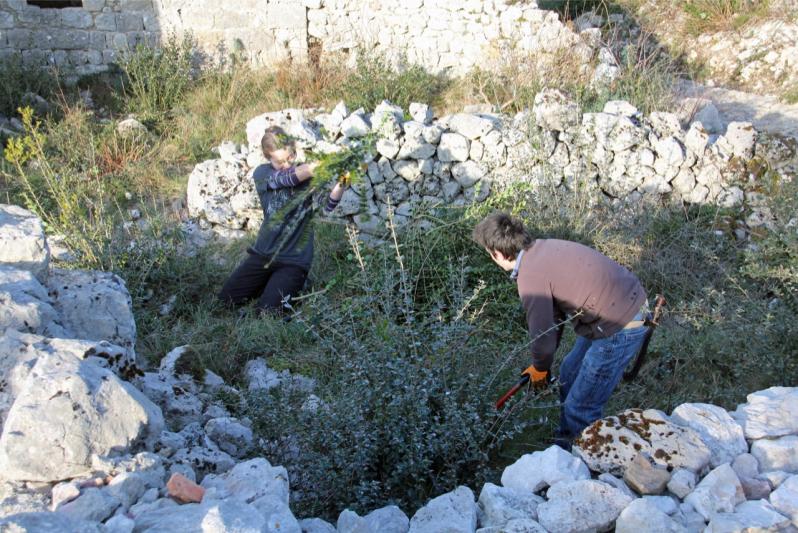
(85, 36)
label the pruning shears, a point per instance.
(518, 386)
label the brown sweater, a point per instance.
(560, 279)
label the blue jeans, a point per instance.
(589, 374)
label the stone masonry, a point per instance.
(441, 35)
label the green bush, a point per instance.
(19, 79)
(374, 80)
(407, 386)
(157, 77)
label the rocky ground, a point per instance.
(89, 440)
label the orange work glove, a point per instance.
(538, 378)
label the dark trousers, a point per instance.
(271, 285)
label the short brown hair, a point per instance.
(500, 232)
(275, 138)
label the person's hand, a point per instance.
(539, 379)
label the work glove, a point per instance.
(345, 179)
(539, 379)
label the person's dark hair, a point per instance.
(275, 138)
(500, 232)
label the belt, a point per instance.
(640, 318)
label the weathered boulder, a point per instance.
(230, 435)
(220, 192)
(642, 515)
(470, 126)
(25, 305)
(777, 454)
(785, 498)
(94, 305)
(499, 505)
(612, 443)
(16, 497)
(453, 147)
(22, 241)
(93, 504)
(453, 512)
(584, 505)
(388, 519)
(44, 522)
(204, 460)
(645, 477)
(756, 515)
(769, 413)
(539, 470)
(682, 482)
(176, 397)
(717, 429)
(249, 481)
(67, 411)
(516, 525)
(227, 515)
(719, 492)
(130, 127)
(553, 110)
(294, 123)
(316, 525)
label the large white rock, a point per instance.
(213, 186)
(25, 305)
(453, 512)
(584, 505)
(355, 125)
(22, 241)
(294, 123)
(44, 522)
(94, 305)
(453, 147)
(539, 470)
(388, 519)
(67, 411)
(501, 504)
(249, 481)
(612, 443)
(769, 413)
(554, 110)
(785, 498)
(211, 516)
(316, 525)
(230, 435)
(742, 138)
(470, 126)
(719, 492)
(421, 112)
(643, 515)
(777, 454)
(717, 429)
(414, 149)
(468, 173)
(21, 350)
(516, 525)
(614, 132)
(750, 516)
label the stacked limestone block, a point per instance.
(82, 40)
(424, 162)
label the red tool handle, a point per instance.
(509, 393)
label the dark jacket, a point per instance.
(286, 234)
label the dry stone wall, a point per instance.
(617, 155)
(440, 35)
